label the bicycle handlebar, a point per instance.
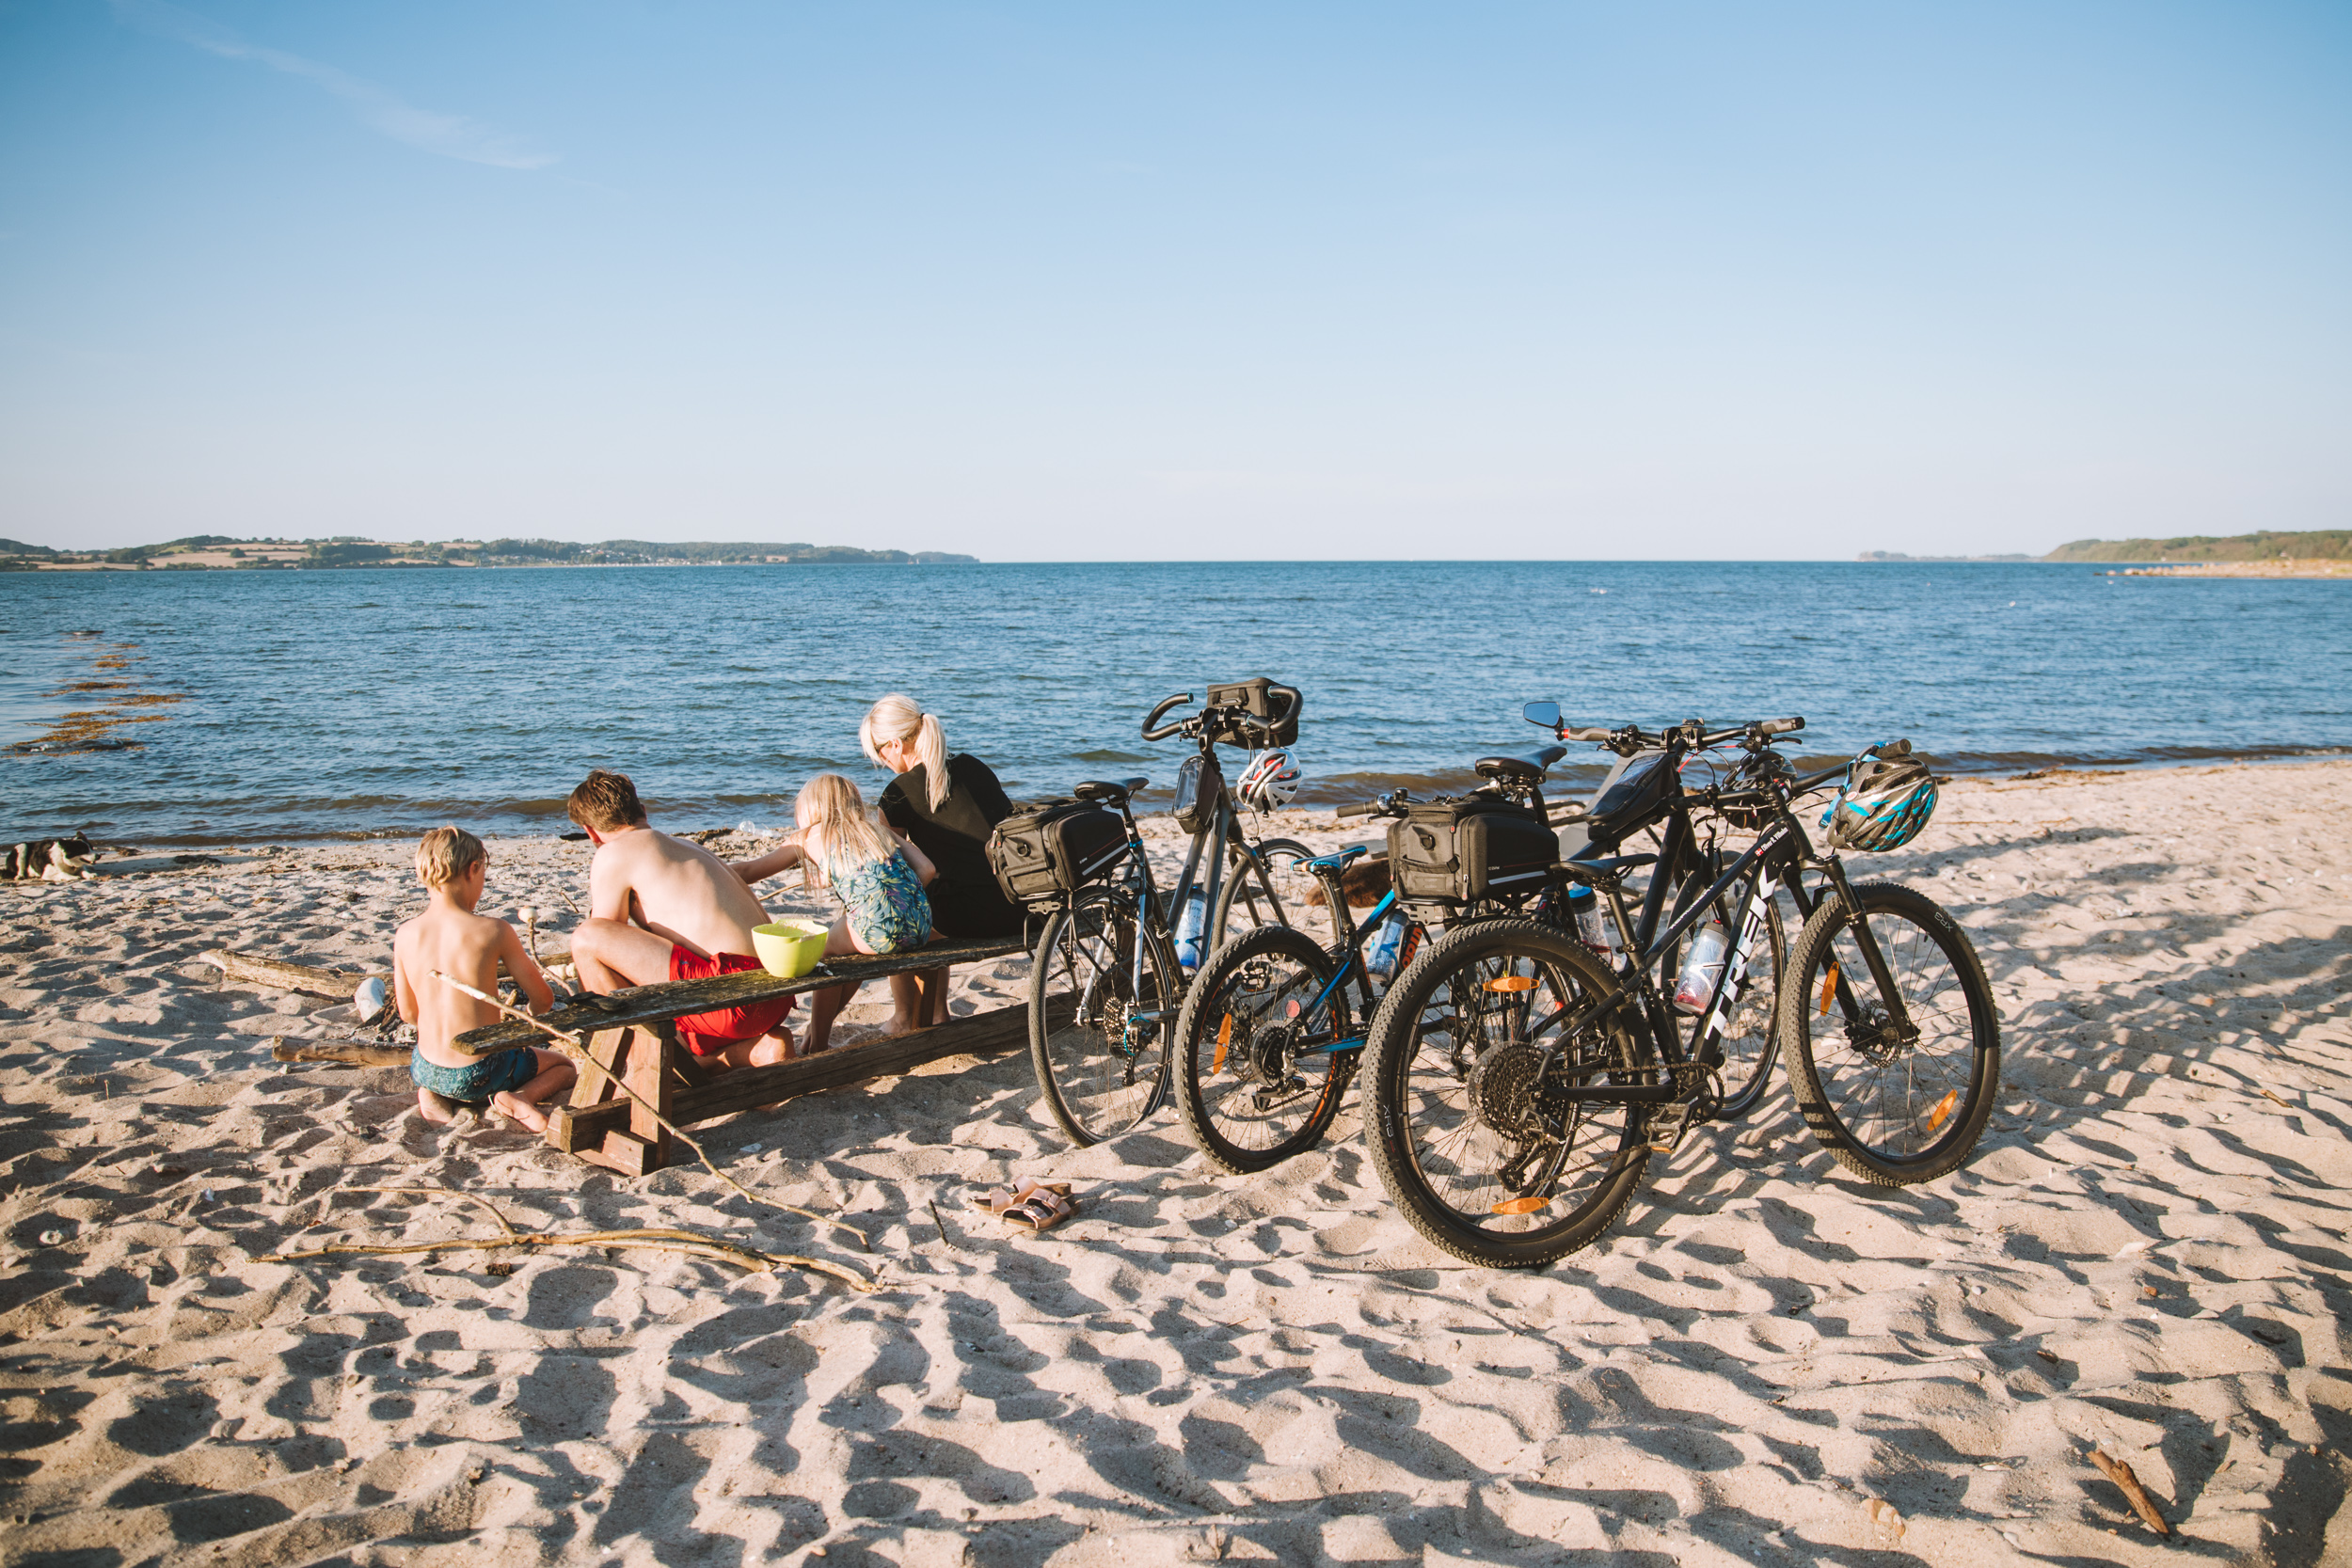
(1151, 725)
(1370, 808)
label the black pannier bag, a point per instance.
(1198, 782)
(1480, 847)
(1256, 697)
(1046, 848)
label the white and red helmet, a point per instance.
(1271, 779)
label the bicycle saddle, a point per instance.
(1527, 767)
(1103, 790)
(1337, 860)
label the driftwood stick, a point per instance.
(329, 1050)
(656, 1240)
(2128, 1483)
(242, 969)
(444, 1192)
(580, 1055)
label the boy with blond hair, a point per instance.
(449, 937)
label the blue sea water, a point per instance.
(345, 703)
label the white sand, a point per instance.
(2148, 1252)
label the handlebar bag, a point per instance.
(1630, 797)
(1481, 846)
(1047, 848)
(1256, 697)
(1197, 784)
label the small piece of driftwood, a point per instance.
(2128, 1483)
(577, 1048)
(243, 969)
(655, 1239)
(330, 1050)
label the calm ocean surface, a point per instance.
(343, 702)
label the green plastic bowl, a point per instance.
(789, 948)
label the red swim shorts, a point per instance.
(708, 1033)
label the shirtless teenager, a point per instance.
(662, 908)
(451, 938)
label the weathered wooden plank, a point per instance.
(749, 1088)
(673, 999)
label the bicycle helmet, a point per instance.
(1886, 799)
(1271, 779)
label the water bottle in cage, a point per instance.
(1386, 943)
(1592, 926)
(1710, 952)
(1190, 924)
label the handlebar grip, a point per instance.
(1367, 809)
(1782, 726)
(1587, 733)
(1151, 725)
(1289, 708)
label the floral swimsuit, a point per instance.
(884, 901)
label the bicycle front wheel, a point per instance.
(1102, 991)
(1256, 1076)
(1898, 1087)
(1467, 1119)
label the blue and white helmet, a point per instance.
(1271, 779)
(1886, 799)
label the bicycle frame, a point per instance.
(1784, 845)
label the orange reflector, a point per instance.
(1943, 1110)
(1224, 1038)
(1829, 987)
(1512, 982)
(1527, 1205)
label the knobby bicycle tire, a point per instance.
(1099, 1071)
(1248, 1098)
(1452, 1116)
(1893, 1114)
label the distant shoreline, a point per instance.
(2281, 570)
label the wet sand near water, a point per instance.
(1768, 1362)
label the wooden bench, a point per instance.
(633, 1034)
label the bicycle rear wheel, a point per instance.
(1895, 1107)
(1464, 1121)
(1098, 1023)
(1255, 1076)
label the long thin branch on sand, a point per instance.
(648, 1239)
(2135, 1494)
(578, 1053)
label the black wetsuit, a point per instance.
(965, 899)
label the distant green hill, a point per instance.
(2325, 545)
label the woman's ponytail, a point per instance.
(930, 749)
(901, 717)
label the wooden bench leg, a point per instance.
(639, 1058)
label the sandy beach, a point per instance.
(1767, 1363)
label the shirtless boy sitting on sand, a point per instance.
(467, 946)
(692, 917)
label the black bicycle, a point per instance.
(1521, 1079)
(1272, 1030)
(1107, 979)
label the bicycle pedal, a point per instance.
(1665, 1140)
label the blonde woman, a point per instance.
(878, 877)
(945, 804)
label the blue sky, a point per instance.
(1230, 281)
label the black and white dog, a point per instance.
(47, 859)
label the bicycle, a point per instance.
(1107, 979)
(1519, 1083)
(1282, 1008)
